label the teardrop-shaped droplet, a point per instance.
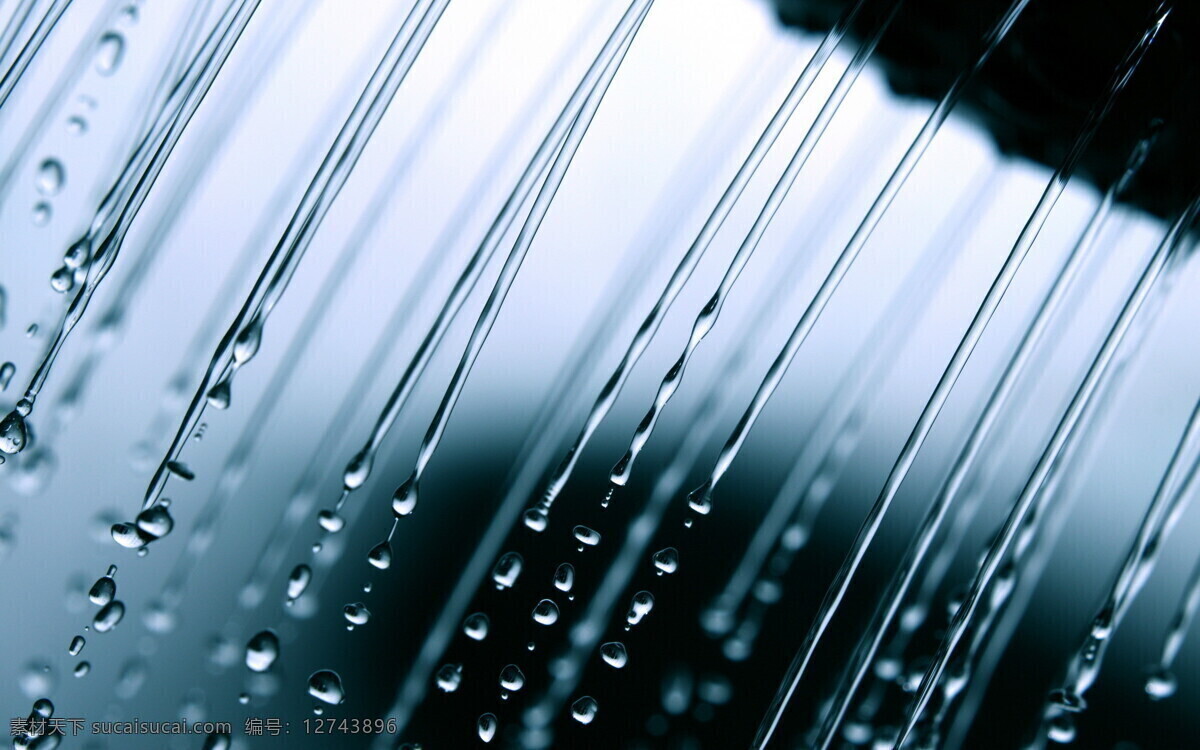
(564, 577)
(381, 555)
(585, 709)
(109, 53)
(404, 500)
(1161, 685)
(537, 519)
(356, 613)
(614, 655)
(298, 581)
(330, 521)
(51, 176)
(486, 726)
(449, 677)
(7, 370)
(357, 471)
(13, 433)
(507, 570)
(512, 678)
(643, 602)
(586, 536)
(77, 644)
(220, 395)
(326, 686)
(248, 341)
(476, 626)
(62, 280)
(666, 560)
(545, 612)
(108, 617)
(129, 536)
(700, 499)
(155, 521)
(262, 650)
(103, 591)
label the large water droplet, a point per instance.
(129, 536)
(262, 650)
(545, 612)
(643, 602)
(614, 654)
(449, 677)
(103, 591)
(13, 433)
(512, 678)
(507, 570)
(51, 176)
(248, 341)
(220, 395)
(486, 726)
(356, 613)
(77, 644)
(108, 617)
(155, 521)
(1161, 685)
(109, 53)
(331, 521)
(586, 536)
(476, 626)
(564, 577)
(298, 581)
(537, 519)
(666, 560)
(585, 709)
(381, 555)
(326, 686)
(404, 500)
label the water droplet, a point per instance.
(155, 521)
(331, 521)
(356, 613)
(82, 668)
(129, 536)
(262, 650)
(220, 395)
(449, 677)
(614, 655)
(643, 602)
(715, 689)
(42, 213)
(181, 470)
(381, 555)
(13, 433)
(666, 560)
(109, 52)
(129, 15)
(512, 678)
(103, 590)
(108, 617)
(1061, 729)
(530, 646)
(1161, 685)
(244, 699)
(357, 471)
(50, 177)
(248, 341)
(507, 570)
(700, 499)
(404, 500)
(62, 280)
(564, 577)
(7, 370)
(486, 726)
(43, 707)
(537, 519)
(316, 547)
(476, 626)
(325, 685)
(76, 125)
(37, 679)
(584, 710)
(298, 581)
(217, 741)
(545, 612)
(77, 644)
(586, 536)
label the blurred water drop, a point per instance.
(82, 668)
(31, 331)
(181, 470)
(449, 677)
(356, 613)
(132, 677)
(222, 652)
(42, 213)
(37, 679)
(298, 581)
(262, 650)
(325, 685)
(7, 370)
(507, 570)
(666, 560)
(614, 655)
(476, 626)
(50, 177)
(643, 602)
(381, 555)
(109, 616)
(159, 618)
(1161, 685)
(1061, 729)
(586, 536)
(564, 577)
(512, 678)
(217, 741)
(486, 727)
(109, 53)
(585, 709)
(330, 521)
(545, 612)
(129, 15)
(77, 125)
(244, 699)
(536, 519)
